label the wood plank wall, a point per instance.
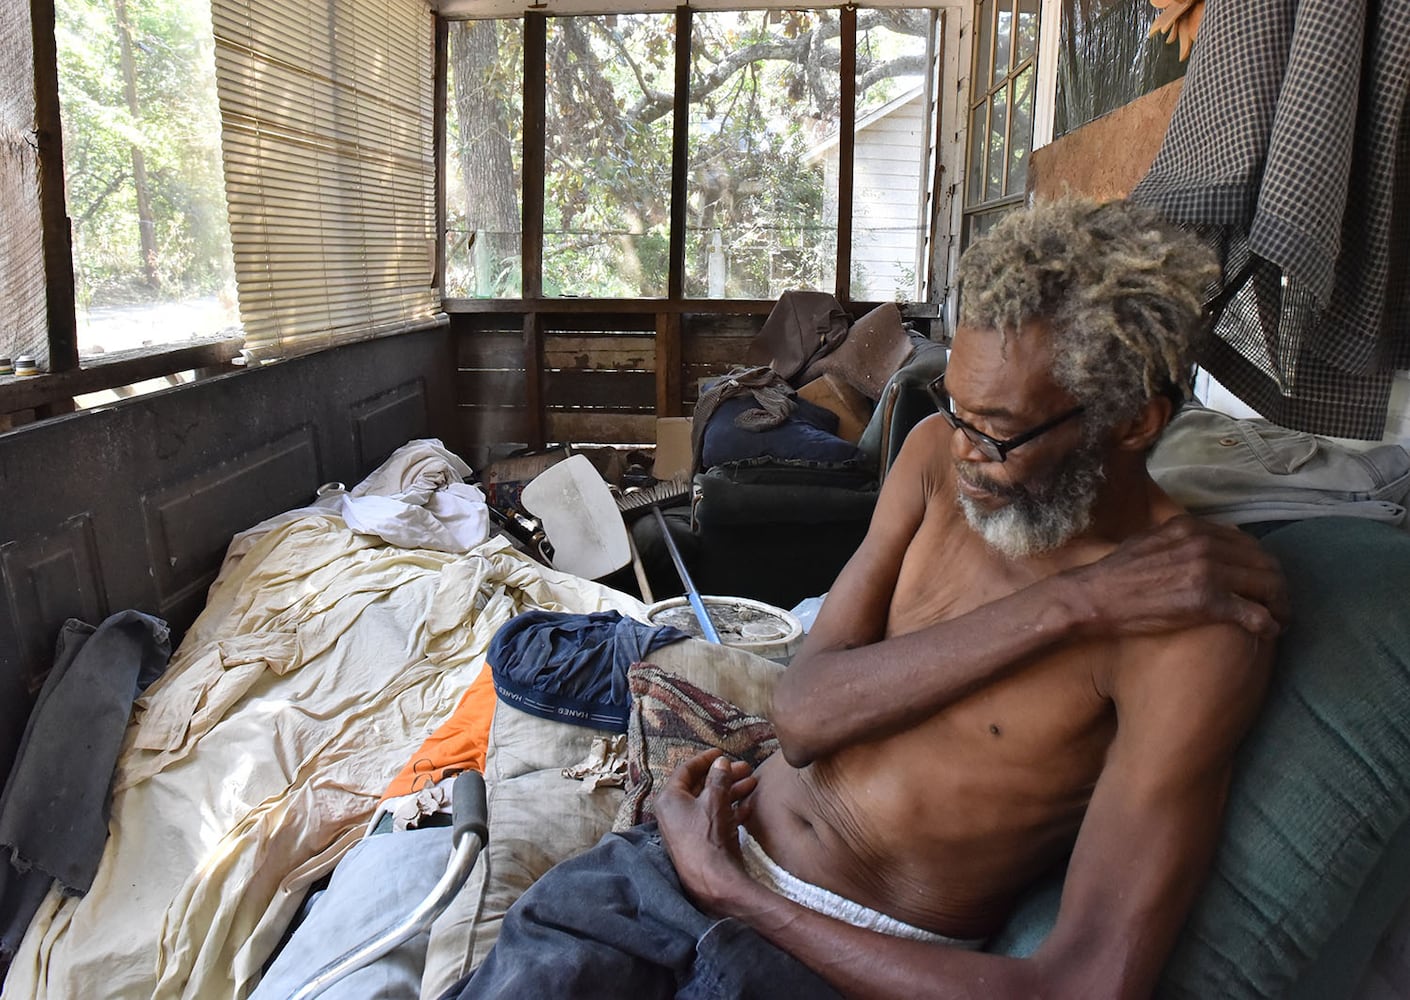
(1107, 157)
(602, 380)
(21, 238)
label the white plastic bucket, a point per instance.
(760, 628)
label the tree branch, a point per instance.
(114, 182)
(900, 66)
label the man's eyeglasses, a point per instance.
(991, 447)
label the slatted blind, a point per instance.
(25, 329)
(327, 129)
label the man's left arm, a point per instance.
(1141, 854)
(1146, 843)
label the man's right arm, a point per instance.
(851, 683)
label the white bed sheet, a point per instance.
(323, 659)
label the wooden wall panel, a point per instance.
(488, 349)
(629, 391)
(1107, 157)
(49, 579)
(492, 431)
(595, 389)
(491, 388)
(602, 351)
(188, 522)
(602, 377)
(382, 423)
(21, 234)
(602, 428)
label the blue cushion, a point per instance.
(1323, 780)
(805, 435)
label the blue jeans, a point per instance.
(614, 922)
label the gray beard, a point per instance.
(1039, 517)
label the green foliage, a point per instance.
(175, 129)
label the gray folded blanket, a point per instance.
(54, 809)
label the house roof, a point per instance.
(866, 121)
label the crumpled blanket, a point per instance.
(418, 499)
(774, 396)
(322, 660)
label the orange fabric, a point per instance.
(458, 744)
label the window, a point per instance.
(484, 152)
(607, 155)
(895, 139)
(1107, 58)
(151, 245)
(1003, 73)
(22, 278)
(763, 91)
(755, 169)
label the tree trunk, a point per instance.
(146, 228)
(491, 200)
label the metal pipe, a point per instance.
(707, 627)
(469, 835)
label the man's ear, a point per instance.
(1141, 431)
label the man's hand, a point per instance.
(699, 812)
(1184, 573)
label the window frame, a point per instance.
(532, 204)
(27, 399)
(64, 375)
(975, 208)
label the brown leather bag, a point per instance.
(876, 347)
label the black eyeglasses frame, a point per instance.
(992, 448)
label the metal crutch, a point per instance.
(469, 834)
(707, 627)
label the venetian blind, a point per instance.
(327, 130)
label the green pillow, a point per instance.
(1323, 780)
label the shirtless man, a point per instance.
(1034, 652)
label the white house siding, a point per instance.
(886, 194)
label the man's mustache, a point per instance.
(969, 472)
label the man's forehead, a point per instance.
(990, 371)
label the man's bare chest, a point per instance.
(948, 571)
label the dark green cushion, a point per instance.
(1321, 793)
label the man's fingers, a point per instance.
(1263, 585)
(743, 810)
(1254, 617)
(743, 788)
(719, 775)
(719, 780)
(691, 774)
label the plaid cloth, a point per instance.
(1287, 152)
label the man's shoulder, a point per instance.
(1193, 675)
(1173, 656)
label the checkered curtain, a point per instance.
(1287, 152)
